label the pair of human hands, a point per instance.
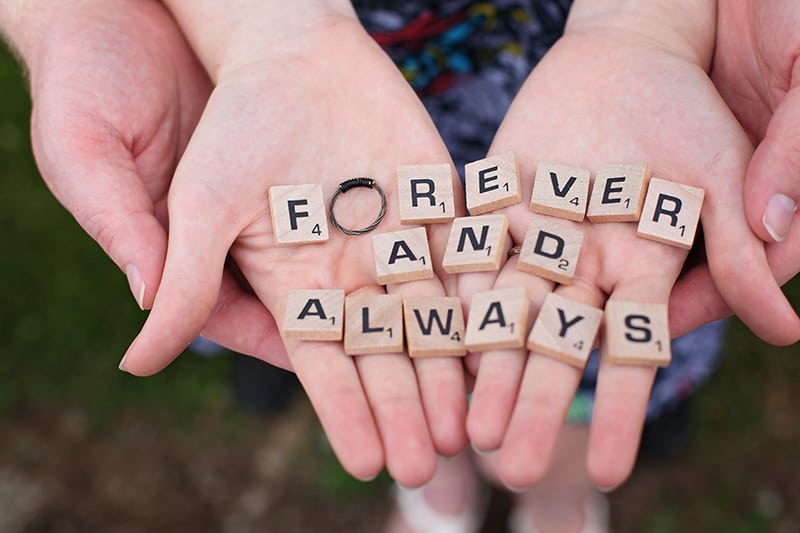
(117, 93)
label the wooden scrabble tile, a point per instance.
(498, 319)
(298, 214)
(373, 324)
(565, 329)
(550, 250)
(560, 191)
(492, 183)
(475, 244)
(637, 334)
(425, 193)
(402, 256)
(671, 213)
(618, 193)
(434, 327)
(314, 315)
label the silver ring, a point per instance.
(351, 184)
(516, 250)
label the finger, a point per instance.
(441, 383)
(500, 371)
(545, 394)
(623, 391)
(198, 246)
(772, 185)
(99, 183)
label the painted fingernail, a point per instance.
(778, 216)
(136, 284)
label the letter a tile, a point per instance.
(637, 333)
(618, 193)
(498, 319)
(492, 183)
(560, 191)
(565, 329)
(402, 256)
(373, 324)
(434, 327)
(298, 214)
(475, 244)
(314, 315)
(671, 213)
(425, 193)
(551, 250)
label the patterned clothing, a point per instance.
(467, 60)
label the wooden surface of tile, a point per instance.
(492, 183)
(560, 191)
(434, 326)
(298, 214)
(637, 333)
(402, 256)
(671, 213)
(475, 244)
(425, 193)
(618, 193)
(551, 250)
(314, 315)
(498, 319)
(565, 329)
(373, 324)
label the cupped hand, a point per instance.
(116, 94)
(607, 95)
(323, 107)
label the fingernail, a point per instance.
(122, 363)
(136, 284)
(605, 490)
(482, 453)
(778, 216)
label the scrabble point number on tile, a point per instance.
(402, 256)
(498, 319)
(314, 315)
(637, 333)
(551, 250)
(373, 324)
(298, 214)
(425, 193)
(618, 193)
(565, 329)
(492, 183)
(671, 213)
(560, 191)
(434, 326)
(475, 244)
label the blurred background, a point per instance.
(85, 447)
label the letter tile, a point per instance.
(618, 193)
(492, 183)
(551, 250)
(637, 333)
(298, 214)
(425, 193)
(671, 213)
(560, 191)
(402, 256)
(498, 319)
(434, 326)
(373, 324)
(565, 329)
(475, 244)
(314, 315)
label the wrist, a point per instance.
(228, 35)
(684, 27)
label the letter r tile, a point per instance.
(492, 183)
(637, 333)
(402, 256)
(434, 326)
(373, 324)
(551, 250)
(298, 214)
(671, 213)
(560, 191)
(498, 319)
(314, 315)
(425, 193)
(475, 244)
(565, 329)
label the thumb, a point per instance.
(190, 286)
(772, 186)
(99, 183)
